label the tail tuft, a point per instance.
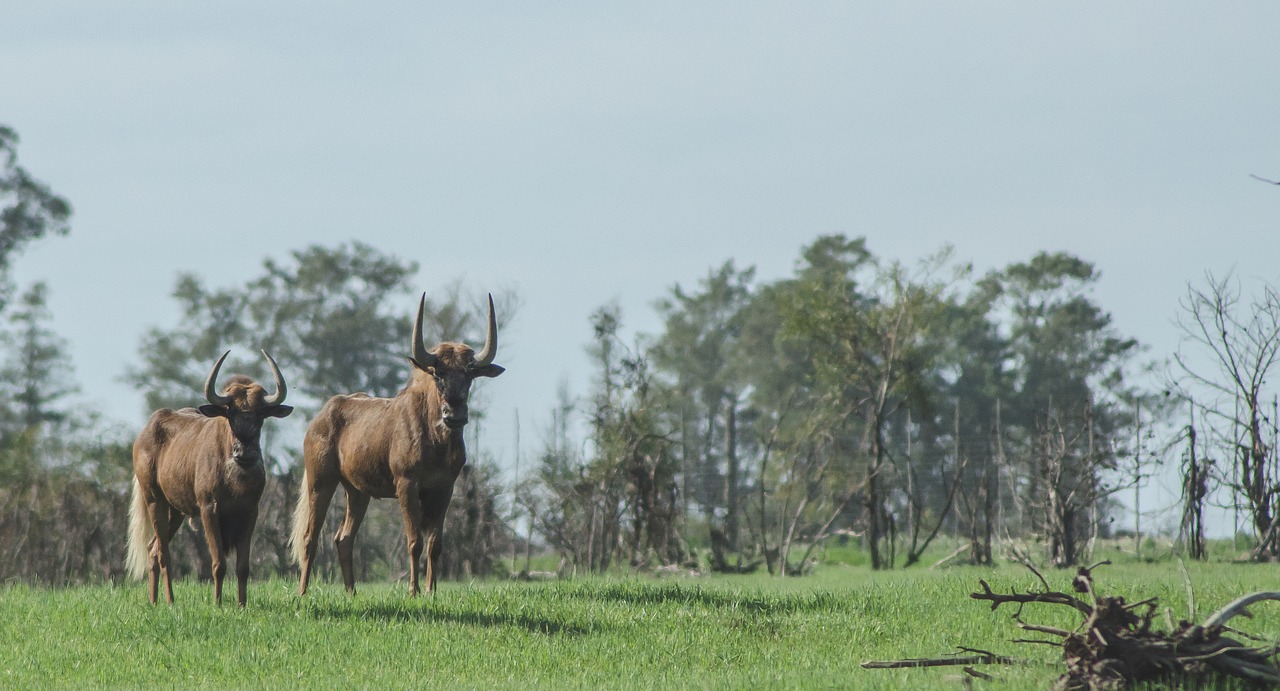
(141, 531)
(301, 519)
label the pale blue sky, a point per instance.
(585, 152)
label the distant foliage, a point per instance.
(856, 399)
(29, 210)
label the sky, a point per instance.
(582, 153)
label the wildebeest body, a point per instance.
(362, 427)
(200, 470)
(409, 447)
(205, 463)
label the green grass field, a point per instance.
(713, 632)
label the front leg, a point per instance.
(242, 557)
(209, 520)
(411, 507)
(435, 506)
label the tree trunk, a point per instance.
(731, 474)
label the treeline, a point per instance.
(857, 400)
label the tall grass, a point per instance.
(729, 632)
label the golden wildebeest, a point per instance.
(205, 463)
(409, 447)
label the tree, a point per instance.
(700, 366)
(1228, 352)
(561, 502)
(1071, 403)
(1196, 472)
(977, 366)
(36, 376)
(826, 312)
(876, 338)
(63, 477)
(28, 209)
(326, 316)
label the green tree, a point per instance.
(325, 315)
(1071, 406)
(29, 210)
(877, 342)
(977, 365)
(700, 366)
(36, 376)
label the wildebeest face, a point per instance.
(454, 385)
(246, 429)
(245, 405)
(454, 366)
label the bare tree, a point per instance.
(918, 505)
(1228, 351)
(1195, 488)
(1066, 467)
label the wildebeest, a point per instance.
(409, 447)
(205, 463)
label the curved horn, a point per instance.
(490, 339)
(281, 390)
(210, 384)
(420, 354)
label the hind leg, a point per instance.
(357, 504)
(165, 521)
(317, 492)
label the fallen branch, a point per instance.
(959, 550)
(997, 599)
(1115, 646)
(1237, 607)
(983, 658)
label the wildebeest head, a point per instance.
(245, 404)
(454, 366)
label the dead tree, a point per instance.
(1065, 483)
(1195, 488)
(1242, 350)
(917, 499)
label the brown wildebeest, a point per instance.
(409, 447)
(205, 463)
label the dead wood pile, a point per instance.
(1115, 645)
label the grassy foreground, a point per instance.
(752, 632)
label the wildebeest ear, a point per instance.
(278, 411)
(419, 365)
(488, 371)
(213, 410)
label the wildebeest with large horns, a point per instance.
(409, 447)
(205, 463)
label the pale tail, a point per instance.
(140, 533)
(301, 518)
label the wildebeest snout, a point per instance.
(453, 416)
(245, 454)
